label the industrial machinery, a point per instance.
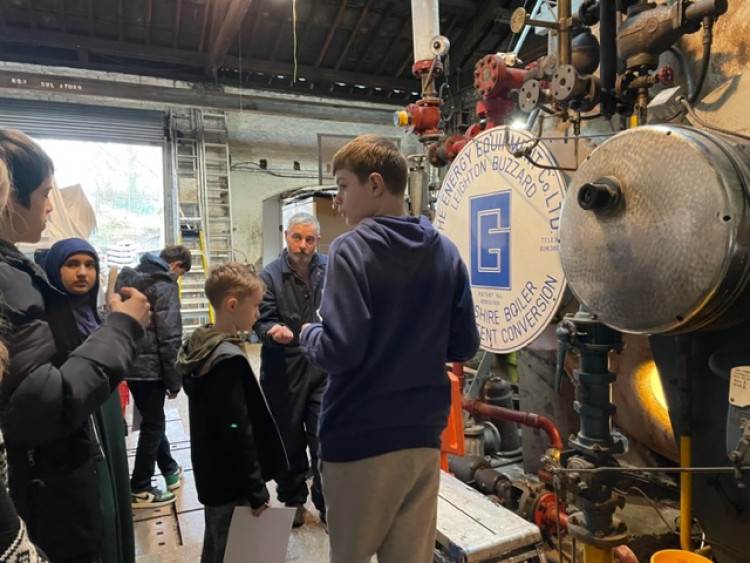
(609, 248)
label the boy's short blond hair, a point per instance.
(231, 280)
(373, 153)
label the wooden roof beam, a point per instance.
(331, 31)
(204, 21)
(224, 32)
(463, 49)
(353, 34)
(177, 21)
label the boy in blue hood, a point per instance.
(152, 376)
(396, 306)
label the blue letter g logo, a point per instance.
(490, 240)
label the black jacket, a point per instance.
(51, 388)
(158, 350)
(235, 444)
(291, 301)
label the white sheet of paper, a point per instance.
(259, 540)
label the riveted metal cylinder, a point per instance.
(673, 254)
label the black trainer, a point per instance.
(152, 498)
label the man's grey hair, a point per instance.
(303, 219)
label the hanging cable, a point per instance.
(294, 40)
(708, 23)
(694, 117)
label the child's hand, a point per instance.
(258, 511)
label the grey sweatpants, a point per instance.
(384, 505)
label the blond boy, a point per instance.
(235, 445)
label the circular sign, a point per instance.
(503, 214)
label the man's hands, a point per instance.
(136, 305)
(280, 334)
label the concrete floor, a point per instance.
(175, 533)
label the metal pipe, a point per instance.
(559, 518)
(685, 386)
(425, 24)
(525, 418)
(611, 469)
(563, 33)
(608, 57)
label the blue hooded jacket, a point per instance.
(396, 306)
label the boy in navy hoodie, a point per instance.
(396, 306)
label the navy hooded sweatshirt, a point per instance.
(396, 306)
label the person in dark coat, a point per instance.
(14, 538)
(72, 266)
(153, 376)
(53, 385)
(294, 387)
(235, 444)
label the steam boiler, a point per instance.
(608, 244)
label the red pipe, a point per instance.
(544, 515)
(525, 418)
(501, 413)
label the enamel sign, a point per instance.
(503, 214)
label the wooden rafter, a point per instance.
(308, 26)
(280, 37)
(225, 32)
(204, 22)
(97, 45)
(374, 32)
(147, 21)
(353, 34)
(30, 10)
(462, 49)
(319, 74)
(392, 46)
(120, 21)
(257, 21)
(176, 25)
(329, 37)
(91, 18)
(407, 60)
(63, 18)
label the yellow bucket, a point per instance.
(677, 556)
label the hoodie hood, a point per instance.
(151, 264)
(402, 235)
(150, 270)
(196, 355)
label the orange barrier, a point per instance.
(452, 438)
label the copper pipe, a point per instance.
(525, 418)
